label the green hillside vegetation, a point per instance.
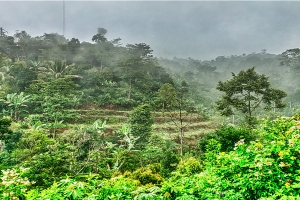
(103, 120)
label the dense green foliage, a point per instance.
(227, 136)
(267, 168)
(106, 74)
(246, 92)
(141, 122)
(104, 121)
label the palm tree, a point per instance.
(57, 69)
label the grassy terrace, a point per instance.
(163, 125)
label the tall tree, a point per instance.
(291, 58)
(73, 45)
(3, 32)
(246, 92)
(175, 101)
(22, 42)
(141, 121)
(100, 36)
(140, 50)
(131, 70)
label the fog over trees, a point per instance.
(102, 120)
(102, 67)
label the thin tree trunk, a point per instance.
(101, 67)
(130, 88)
(249, 105)
(181, 143)
(16, 114)
(181, 132)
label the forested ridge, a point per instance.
(104, 120)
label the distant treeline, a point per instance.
(109, 74)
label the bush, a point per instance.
(189, 166)
(13, 184)
(169, 162)
(117, 188)
(141, 122)
(126, 160)
(64, 189)
(6, 160)
(5, 132)
(47, 159)
(148, 174)
(227, 136)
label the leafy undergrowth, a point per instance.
(268, 168)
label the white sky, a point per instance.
(198, 29)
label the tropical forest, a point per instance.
(105, 120)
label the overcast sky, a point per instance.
(199, 29)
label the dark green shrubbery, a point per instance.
(227, 136)
(141, 121)
(5, 132)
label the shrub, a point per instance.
(64, 189)
(117, 188)
(13, 184)
(141, 122)
(148, 174)
(189, 166)
(47, 159)
(126, 160)
(8, 140)
(227, 136)
(169, 161)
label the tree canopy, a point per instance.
(246, 92)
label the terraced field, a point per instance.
(195, 126)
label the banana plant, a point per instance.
(99, 126)
(128, 138)
(16, 102)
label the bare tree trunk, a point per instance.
(181, 131)
(16, 114)
(130, 88)
(181, 143)
(101, 67)
(1, 146)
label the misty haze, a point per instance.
(149, 100)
